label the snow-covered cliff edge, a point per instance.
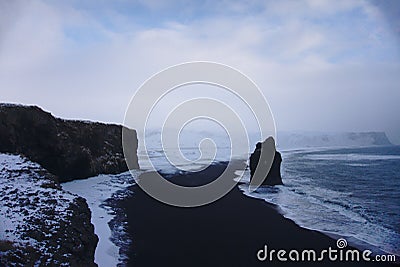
(41, 224)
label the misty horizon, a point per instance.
(329, 66)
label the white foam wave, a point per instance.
(351, 157)
(327, 211)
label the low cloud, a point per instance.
(321, 65)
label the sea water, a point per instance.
(348, 192)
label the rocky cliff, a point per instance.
(67, 148)
(41, 224)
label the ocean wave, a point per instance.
(327, 211)
(351, 157)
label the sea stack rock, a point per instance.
(69, 149)
(260, 167)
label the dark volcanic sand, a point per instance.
(228, 232)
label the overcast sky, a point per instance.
(323, 66)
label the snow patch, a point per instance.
(98, 191)
(28, 198)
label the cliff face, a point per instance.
(69, 149)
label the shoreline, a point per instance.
(228, 232)
(352, 241)
(107, 218)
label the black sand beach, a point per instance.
(228, 232)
